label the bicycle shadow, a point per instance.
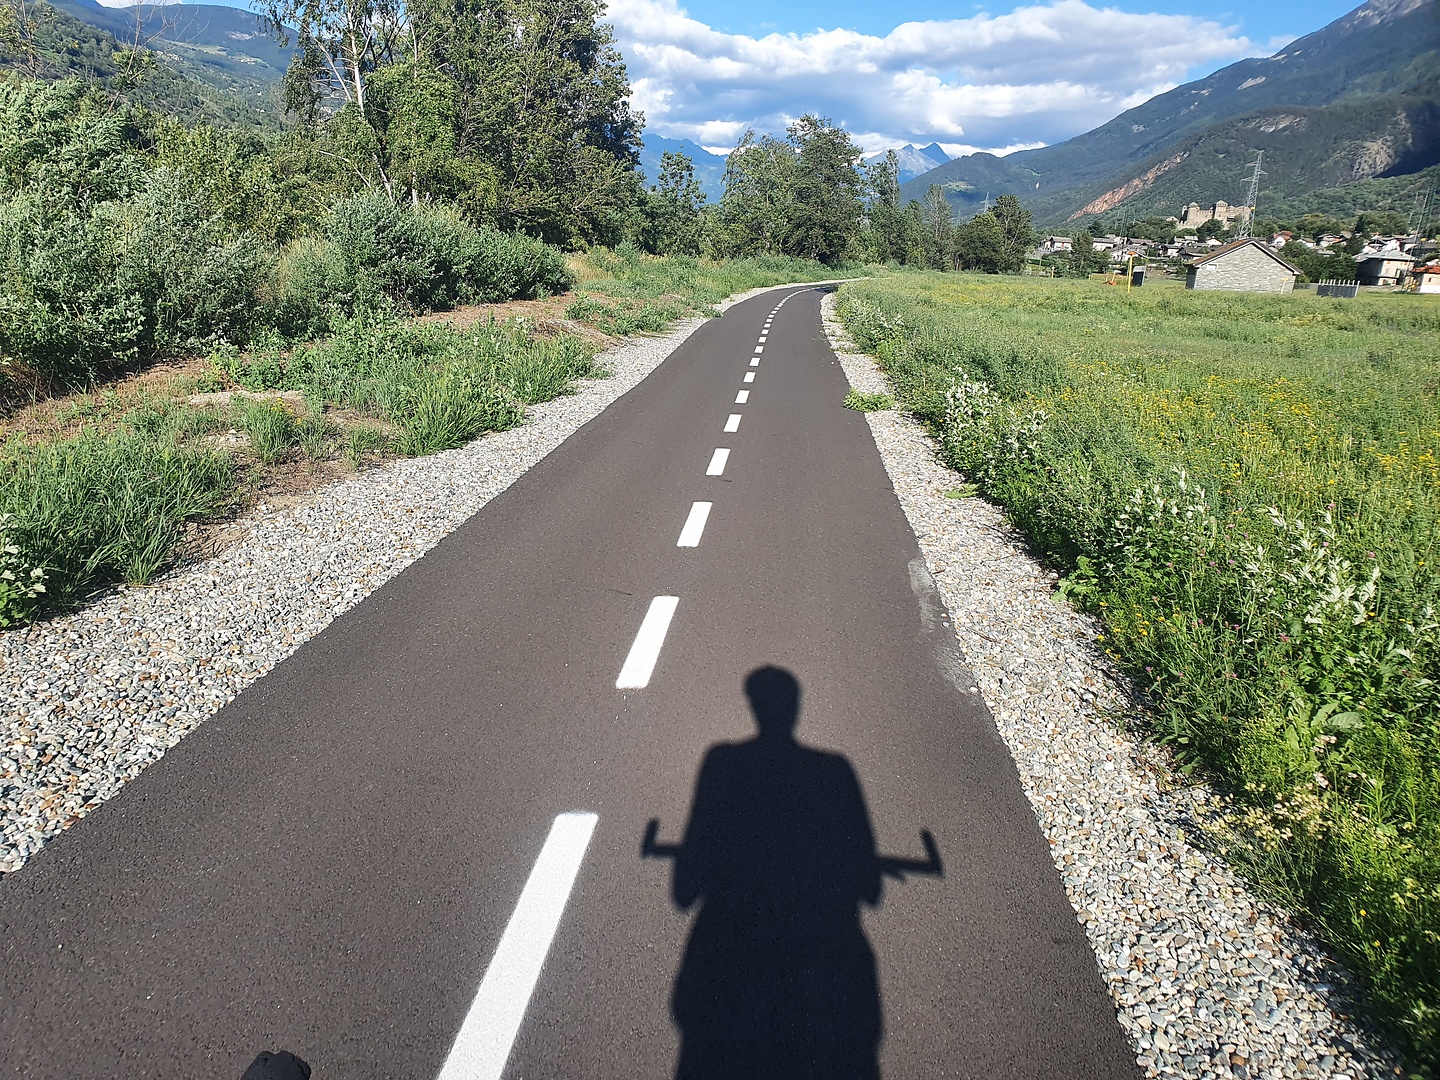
(778, 978)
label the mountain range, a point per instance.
(1356, 100)
(913, 160)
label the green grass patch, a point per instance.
(1245, 489)
(97, 509)
(625, 292)
(854, 399)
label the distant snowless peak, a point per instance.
(130, 3)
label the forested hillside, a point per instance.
(1364, 89)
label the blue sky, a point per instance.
(1260, 21)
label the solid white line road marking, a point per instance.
(749, 376)
(717, 462)
(742, 397)
(694, 525)
(733, 424)
(640, 664)
(755, 361)
(490, 1027)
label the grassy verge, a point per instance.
(626, 292)
(106, 496)
(1246, 489)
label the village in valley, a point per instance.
(1224, 246)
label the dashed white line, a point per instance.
(717, 462)
(755, 361)
(742, 397)
(489, 1029)
(759, 349)
(640, 663)
(762, 339)
(733, 424)
(694, 525)
(749, 376)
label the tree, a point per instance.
(1016, 235)
(541, 106)
(760, 177)
(798, 196)
(1084, 259)
(1210, 229)
(827, 208)
(939, 230)
(673, 209)
(979, 244)
(1384, 222)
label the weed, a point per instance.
(363, 441)
(854, 399)
(272, 429)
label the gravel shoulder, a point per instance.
(92, 698)
(1208, 981)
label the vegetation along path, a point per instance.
(366, 856)
(375, 805)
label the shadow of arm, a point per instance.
(930, 866)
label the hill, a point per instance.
(1354, 99)
(220, 47)
(57, 44)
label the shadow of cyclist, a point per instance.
(778, 978)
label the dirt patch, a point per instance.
(58, 417)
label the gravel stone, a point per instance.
(1207, 980)
(88, 700)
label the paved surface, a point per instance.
(329, 864)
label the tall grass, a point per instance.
(1246, 489)
(96, 509)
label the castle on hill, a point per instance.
(1195, 215)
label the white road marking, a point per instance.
(759, 349)
(742, 397)
(749, 376)
(717, 462)
(762, 339)
(755, 361)
(489, 1029)
(733, 424)
(640, 664)
(694, 525)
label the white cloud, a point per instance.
(1034, 76)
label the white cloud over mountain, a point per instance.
(1036, 75)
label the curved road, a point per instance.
(419, 848)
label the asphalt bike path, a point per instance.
(441, 841)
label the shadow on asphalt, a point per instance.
(778, 980)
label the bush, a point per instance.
(427, 258)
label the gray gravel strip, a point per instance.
(1207, 980)
(91, 699)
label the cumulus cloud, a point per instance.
(1034, 76)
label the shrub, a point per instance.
(22, 586)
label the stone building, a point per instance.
(1244, 266)
(1195, 215)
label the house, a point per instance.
(1387, 267)
(1244, 266)
(1330, 239)
(1428, 279)
(1052, 244)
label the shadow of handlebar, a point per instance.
(889, 865)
